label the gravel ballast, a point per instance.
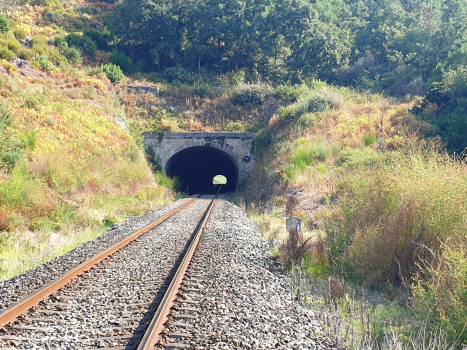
(234, 296)
(243, 303)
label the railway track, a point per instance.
(110, 300)
(185, 283)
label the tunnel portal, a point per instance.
(196, 167)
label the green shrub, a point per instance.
(359, 158)
(253, 94)
(74, 40)
(11, 146)
(108, 222)
(4, 24)
(94, 71)
(39, 40)
(175, 73)
(113, 72)
(43, 62)
(56, 56)
(19, 33)
(6, 54)
(14, 191)
(164, 180)
(14, 45)
(39, 45)
(235, 127)
(261, 142)
(97, 37)
(89, 46)
(206, 90)
(58, 39)
(123, 61)
(290, 93)
(450, 94)
(324, 99)
(369, 139)
(315, 263)
(72, 54)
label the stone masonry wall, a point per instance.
(235, 145)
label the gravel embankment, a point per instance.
(242, 303)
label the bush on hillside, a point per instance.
(74, 40)
(113, 72)
(4, 24)
(72, 54)
(14, 45)
(11, 145)
(290, 93)
(19, 33)
(39, 44)
(39, 39)
(325, 99)
(97, 37)
(261, 141)
(389, 210)
(175, 73)
(6, 54)
(42, 62)
(123, 61)
(206, 90)
(26, 54)
(89, 46)
(253, 94)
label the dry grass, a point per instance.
(83, 173)
(380, 196)
(294, 247)
(180, 110)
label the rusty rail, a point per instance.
(152, 335)
(13, 312)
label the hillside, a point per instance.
(383, 213)
(69, 167)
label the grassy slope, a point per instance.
(388, 205)
(70, 168)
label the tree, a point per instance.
(4, 24)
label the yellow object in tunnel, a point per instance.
(219, 180)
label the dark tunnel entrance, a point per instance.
(196, 167)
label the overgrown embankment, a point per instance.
(69, 169)
(386, 202)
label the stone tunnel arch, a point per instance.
(234, 146)
(196, 166)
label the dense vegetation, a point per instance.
(381, 206)
(399, 47)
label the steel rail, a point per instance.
(155, 328)
(21, 307)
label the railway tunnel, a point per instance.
(195, 158)
(196, 167)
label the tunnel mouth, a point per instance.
(196, 166)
